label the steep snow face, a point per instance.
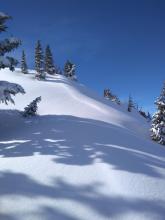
(61, 96)
(82, 158)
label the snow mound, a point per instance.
(82, 158)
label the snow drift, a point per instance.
(82, 158)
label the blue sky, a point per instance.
(116, 44)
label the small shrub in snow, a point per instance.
(31, 109)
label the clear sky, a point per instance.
(116, 44)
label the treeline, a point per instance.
(157, 120)
(130, 104)
(44, 64)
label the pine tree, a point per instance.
(109, 95)
(7, 45)
(49, 63)
(39, 62)
(31, 109)
(143, 113)
(69, 70)
(24, 67)
(130, 104)
(8, 89)
(149, 117)
(158, 120)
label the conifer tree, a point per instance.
(149, 117)
(158, 120)
(143, 113)
(109, 95)
(39, 61)
(24, 67)
(8, 89)
(31, 109)
(7, 45)
(49, 63)
(130, 104)
(69, 70)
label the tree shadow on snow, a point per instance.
(78, 141)
(17, 184)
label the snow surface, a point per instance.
(82, 158)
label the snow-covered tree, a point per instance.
(7, 90)
(130, 104)
(24, 67)
(69, 70)
(39, 61)
(49, 63)
(7, 45)
(158, 120)
(31, 109)
(109, 95)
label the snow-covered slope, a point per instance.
(82, 158)
(61, 96)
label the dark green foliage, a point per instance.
(8, 89)
(130, 104)
(39, 62)
(142, 113)
(31, 109)
(24, 67)
(69, 70)
(7, 45)
(49, 63)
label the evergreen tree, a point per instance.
(130, 104)
(31, 109)
(142, 113)
(158, 120)
(149, 117)
(39, 61)
(24, 67)
(8, 89)
(69, 70)
(49, 63)
(109, 95)
(7, 45)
